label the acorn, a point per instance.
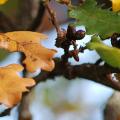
(80, 34)
(71, 32)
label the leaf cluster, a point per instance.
(102, 22)
(96, 20)
(37, 57)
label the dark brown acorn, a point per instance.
(80, 34)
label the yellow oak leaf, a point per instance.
(116, 5)
(3, 2)
(41, 57)
(26, 36)
(12, 85)
(28, 42)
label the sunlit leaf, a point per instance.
(111, 55)
(12, 85)
(28, 42)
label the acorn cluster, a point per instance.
(67, 38)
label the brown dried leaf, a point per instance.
(12, 85)
(27, 42)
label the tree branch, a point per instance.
(53, 18)
(91, 72)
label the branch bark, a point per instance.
(91, 72)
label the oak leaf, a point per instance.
(28, 42)
(95, 19)
(12, 85)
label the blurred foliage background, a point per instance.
(10, 8)
(15, 15)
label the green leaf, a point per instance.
(3, 54)
(111, 55)
(96, 20)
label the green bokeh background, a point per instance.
(10, 8)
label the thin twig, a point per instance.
(5, 112)
(53, 18)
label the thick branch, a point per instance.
(92, 72)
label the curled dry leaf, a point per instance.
(28, 42)
(12, 85)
